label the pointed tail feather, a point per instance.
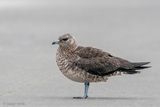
(140, 65)
(136, 66)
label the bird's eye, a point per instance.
(65, 39)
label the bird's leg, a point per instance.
(86, 87)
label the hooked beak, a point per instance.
(55, 42)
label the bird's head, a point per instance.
(66, 41)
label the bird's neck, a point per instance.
(69, 51)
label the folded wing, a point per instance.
(101, 63)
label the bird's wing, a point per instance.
(97, 62)
(89, 52)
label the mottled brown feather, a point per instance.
(97, 62)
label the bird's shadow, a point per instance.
(97, 98)
(118, 98)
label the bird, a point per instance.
(88, 64)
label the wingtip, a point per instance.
(148, 62)
(136, 64)
(145, 63)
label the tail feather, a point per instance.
(132, 72)
(136, 66)
(139, 64)
(142, 67)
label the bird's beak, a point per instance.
(55, 42)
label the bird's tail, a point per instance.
(140, 65)
(136, 67)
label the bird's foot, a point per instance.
(85, 97)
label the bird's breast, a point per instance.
(73, 72)
(68, 70)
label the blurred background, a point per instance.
(126, 28)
